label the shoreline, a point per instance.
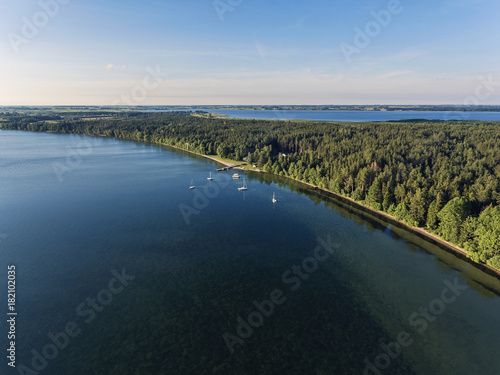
(420, 232)
(195, 153)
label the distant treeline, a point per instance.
(444, 176)
(432, 108)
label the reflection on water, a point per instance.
(119, 209)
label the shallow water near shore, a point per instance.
(78, 211)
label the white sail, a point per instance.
(244, 187)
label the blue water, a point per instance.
(76, 211)
(354, 116)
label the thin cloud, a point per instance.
(260, 50)
(395, 74)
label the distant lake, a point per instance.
(159, 279)
(354, 115)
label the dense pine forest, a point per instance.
(443, 176)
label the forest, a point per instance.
(441, 176)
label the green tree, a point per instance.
(418, 208)
(374, 197)
(451, 218)
(467, 232)
(402, 213)
(432, 213)
(357, 195)
(223, 151)
(388, 196)
(488, 233)
(262, 161)
(494, 262)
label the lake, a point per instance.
(351, 116)
(121, 269)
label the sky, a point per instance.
(186, 52)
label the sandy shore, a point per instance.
(420, 232)
(195, 153)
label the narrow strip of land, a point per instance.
(421, 232)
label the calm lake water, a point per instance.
(354, 115)
(75, 212)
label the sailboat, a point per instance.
(244, 187)
(210, 178)
(191, 185)
(274, 198)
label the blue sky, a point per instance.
(93, 52)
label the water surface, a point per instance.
(352, 116)
(73, 209)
